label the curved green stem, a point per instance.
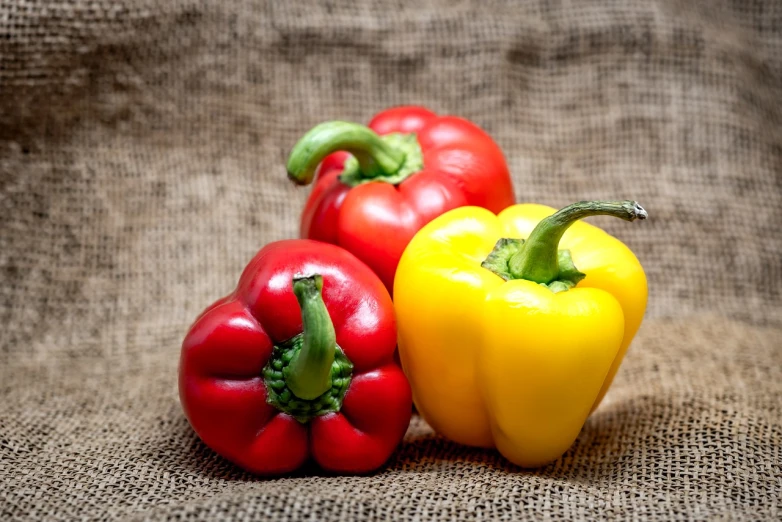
(538, 258)
(309, 374)
(375, 156)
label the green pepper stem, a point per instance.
(537, 260)
(309, 374)
(375, 157)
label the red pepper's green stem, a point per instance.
(375, 156)
(309, 374)
(537, 260)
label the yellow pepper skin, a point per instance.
(516, 364)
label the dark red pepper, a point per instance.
(407, 167)
(297, 363)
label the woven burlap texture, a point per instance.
(142, 150)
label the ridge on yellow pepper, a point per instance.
(512, 326)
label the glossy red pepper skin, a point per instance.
(224, 395)
(462, 165)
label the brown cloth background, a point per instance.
(142, 149)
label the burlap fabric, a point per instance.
(142, 146)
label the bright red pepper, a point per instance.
(292, 366)
(426, 165)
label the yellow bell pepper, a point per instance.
(505, 342)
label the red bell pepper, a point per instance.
(293, 366)
(425, 165)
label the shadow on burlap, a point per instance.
(142, 147)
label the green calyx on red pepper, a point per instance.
(309, 374)
(391, 158)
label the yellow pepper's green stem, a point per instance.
(309, 374)
(537, 260)
(375, 156)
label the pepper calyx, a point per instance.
(308, 374)
(505, 248)
(352, 174)
(539, 259)
(279, 395)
